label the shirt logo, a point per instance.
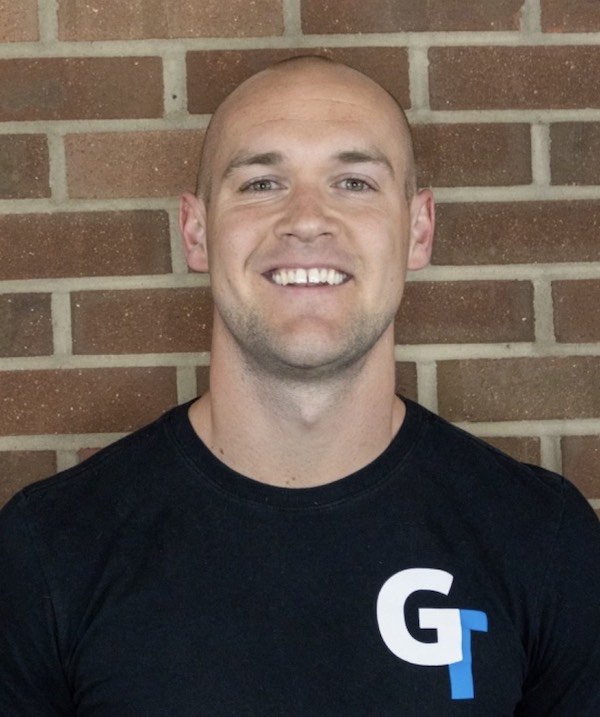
(454, 627)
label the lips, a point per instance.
(312, 276)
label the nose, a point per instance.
(305, 216)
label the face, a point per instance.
(308, 232)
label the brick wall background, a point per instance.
(102, 107)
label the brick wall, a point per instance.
(102, 107)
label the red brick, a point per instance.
(35, 246)
(19, 468)
(517, 232)
(473, 154)
(118, 20)
(356, 16)
(158, 163)
(25, 325)
(570, 15)
(519, 388)
(202, 380)
(465, 311)
(581, 458)
(576, 310)
(24, 166)
(575, 148)
(514, 77)
(18, 20)
(406, 379)
(213, 74)
(80, 88)
(523, 448)
(153, 321)
(83, 401)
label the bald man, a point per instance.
(299, 540)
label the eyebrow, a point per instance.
(270, 159)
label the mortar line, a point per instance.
(543, 311)
(531, 17)
(418, 74)
(178, 262)
(427, 384)
(187, 387)
(292, 19)
(48, 22)
(175, 85)
(66, 459)
(58, 167)
(550, 453)
(540, 154)
(61, 325)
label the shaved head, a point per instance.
(318, 69)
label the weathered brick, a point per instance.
(581, 458)
(18, 20)
(575, 148)
(158, 320)
(517, 232)
(118, 20)
(80, 88)
(519, 388)
(406, 379)
(523, 448)
(355, 16)
(570, 15)
(24, 166)
(19, 468)
(576, 310)
(158, 163)
(465, 311)
(83, 401)
(473, 154)
(25, 325)
(514, 77)
(213, 74)
(34, 246)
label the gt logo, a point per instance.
(453, 626)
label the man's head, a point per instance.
(307, 217)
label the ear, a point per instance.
(192, 224)
(422, 225)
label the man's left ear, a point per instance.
(422, 225)
(192, 224)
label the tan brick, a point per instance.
(25, 325)
(24, 166)
(465, 311)
(576, 310)
(406, 379)
(20, 468)
(575, 148)
(517, 232)
(519, 388)
(159, 163)
(514, 77)
(80, 88)
(570, 15)
(355, 16)
(83, 401)
(522, 448)
(153, 321)
(18, 20)
(139, 19)
(34, 246)
(213, 74)
(581, 463)
(473, 154)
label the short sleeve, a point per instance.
(564, 675)
(32, 682)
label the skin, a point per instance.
(306, 166)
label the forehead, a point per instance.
(309, 108)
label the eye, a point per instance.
(354, 184)
(259, 185)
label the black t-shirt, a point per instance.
(442, 579)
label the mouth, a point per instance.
(313, 276)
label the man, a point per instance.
(299, 540)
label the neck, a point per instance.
(299, 433)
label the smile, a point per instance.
(314, 276)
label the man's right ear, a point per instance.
(192, 224)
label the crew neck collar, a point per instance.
(206, 467)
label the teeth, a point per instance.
(314, 275)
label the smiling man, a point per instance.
(299, 540)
